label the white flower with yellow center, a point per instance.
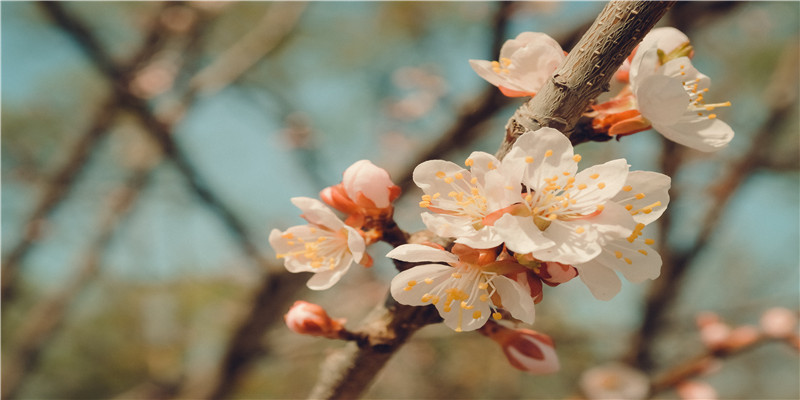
(562, 214)
(525, 64)
(670, 94)
(645, 196)
(465, 293)
(460, 199)
(326, 246)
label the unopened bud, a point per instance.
(696, 390)
(526, 350)
(310, 319)
(369, 185)
(779, 322)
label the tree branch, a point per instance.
(587, 70)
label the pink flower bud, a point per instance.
(696, 390)
(779, 322)
(715, 335)
(369, 186)
(554, 274)
(310, 319)
(525, 349)
(614, 381)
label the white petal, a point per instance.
(425, 175)
(645, 262)
(328, 277)
(662, 99)
(461, 320)
(485, 70)
(596, 184)
(516, 299)
(683, 69)
(699, 133)
(613, 222)
(546, 153)
(652, 187)
(484, 238)
(482, 163)
(355, 243)
(316, 212)
(643, 65)
(421, 253)
(448, 225)
(521, 235)
(601, 281)
(437, 273)
(570, 247)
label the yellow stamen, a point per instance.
(576, 157)
(548, 153)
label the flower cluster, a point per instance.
(327, 246)
(515, 224)
(664, 92)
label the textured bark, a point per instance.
(587, 70)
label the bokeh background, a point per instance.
(149, 148)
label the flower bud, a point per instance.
(369, 186)
(526, 350)
(696, 390)
(779, 322)
(310, 319)
(614, 381)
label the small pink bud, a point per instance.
(715, 335)
(779, 322)
(369, 186)
(526, 350)
(614, 381)
(696, 390)
(742, 336)
(554, 274)
(310, 319)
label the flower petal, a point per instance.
(315, 212)
(635, 260)
(546, 152)
(426, 175)
(356, 243)
(601, 281)
(662, 99)
(596, 184)
(700, 133)
(328, 277)
(521, 235)
(645, 194)
(421, 253)
(412, 294)
(570, 246)
(370, 180)
(516, 299)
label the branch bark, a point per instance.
(587, 70)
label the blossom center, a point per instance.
(321, 248)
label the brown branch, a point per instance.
(700, 364)
(160, 131)
(587, 70)
(664, 290)
(46, 317)
(63, 180)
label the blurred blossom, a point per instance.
(715, 335)
(779, 322)
(614, 381)
(178, 18)
(696, 390)
(154, 79)
(526, 350)
(742, 336)
(310, 319)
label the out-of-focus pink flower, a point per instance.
(779, 322)
(696, 390)
(310, 319)
(366, 191)
(614, 381)
(715, 335)
(526, 350)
